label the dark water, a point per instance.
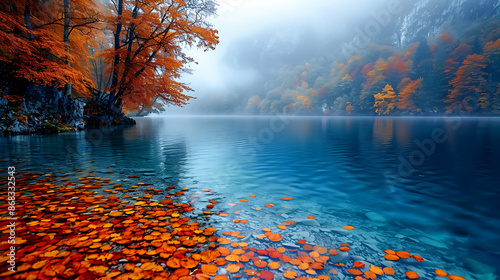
(431, 184)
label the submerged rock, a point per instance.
(432, 242)
(45, 109)
(375, 217)
(307, 222)
(478, 267)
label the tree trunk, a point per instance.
(66, 40)
(128, 59)
(114, 81)
(27, 18)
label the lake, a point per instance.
(429, 186)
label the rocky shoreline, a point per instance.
(45, 110)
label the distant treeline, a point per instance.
(456, 72)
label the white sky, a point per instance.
(242, 19)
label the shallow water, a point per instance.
(430, 186)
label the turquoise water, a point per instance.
(430, 186)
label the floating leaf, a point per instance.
(349, 227)
(403, 254)
(274, 265)
(418, 258)
(275, 237)
(355, 271)
(389, 271)
(440, 272)
(232, 268)
(289, 274)
(344, 249)
(377, 270)
(391, 257)
(266, 275)
(333, 252)
(358, 264)
(455, 277)
(413, 275)
(286, 198)
(210, 269)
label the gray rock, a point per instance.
(308, 222)
(375, 217)
(290, 245)
(478, 267)
(432, 242)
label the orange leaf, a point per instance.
(266, 275)
(455, 277)
(403, 254)
(232, 268)
(411, 274)
(359, 264)
(389, 271)
(391, 257)
(210, 269)
(377, 270)
(418, 258)
(290, 274)
(344, 249)
(173, 262)
(440, 272)
(274, 265)
(354, 271)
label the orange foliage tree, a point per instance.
(468, 88)
(147, 55)
(385, 101)
(349, 108)
(35, 41)
(407, 89)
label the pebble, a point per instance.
(375, 217)
(341, 231)
(432, 242)
(290, 245)
(308, 222)
(478, 267)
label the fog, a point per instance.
(258, 38)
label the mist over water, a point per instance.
(259, 39)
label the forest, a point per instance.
(454, 73)
(123, 55)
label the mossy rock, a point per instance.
(50, 127)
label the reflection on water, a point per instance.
(342, 167)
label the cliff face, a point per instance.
(429, 18)
(44, 109)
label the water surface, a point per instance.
(431, 185)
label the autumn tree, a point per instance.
(349, 108)
(385, 101)
(34, 42)
(375, 79)
(495, 101)
(407, 90)
(147, 55)
(469, 86)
